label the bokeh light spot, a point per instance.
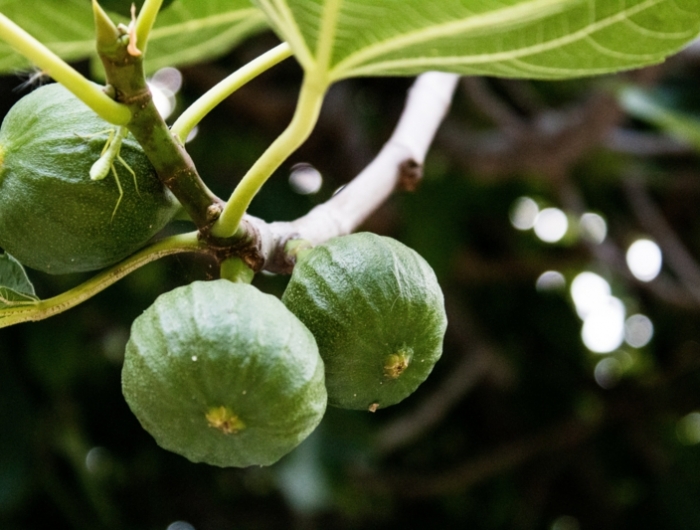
(607, 372)
(180, 525)
(192, 134)
(550, 281)
(604, 326)
(97, 460)
(305, 179)
(593, 227)
(566, 522)
(587, 291)
(168, 78)
(638, 330)
(551, 225)
(688, 429)
(644, 259)
(164, 85)
(523, 213)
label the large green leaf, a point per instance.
(545, 39)
(185, 32)
(15, 287)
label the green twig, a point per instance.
(299, 129)
(144, 22)
(174, 166)
(215, 95)
(50, 63)
(52, 306)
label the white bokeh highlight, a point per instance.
(603, 328)
(644, 259)
(551, 225)
(305, 179)
(550, 281)
(593, 227)
(523, 213)
(164, 86)
(587, 291)
(639, 330)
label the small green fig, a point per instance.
(377, 312)
(53, 216)
(222, 373)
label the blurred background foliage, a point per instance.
(526, 423)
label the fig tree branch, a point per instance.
(175, 168)
(398, 164)
(263, 244)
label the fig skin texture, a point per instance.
(222, 373)
(53, 217)
(377, 312)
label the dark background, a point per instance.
(511, 431)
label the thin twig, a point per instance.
(400, 159)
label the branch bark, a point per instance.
(398, 165)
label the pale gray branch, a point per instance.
(397, 164)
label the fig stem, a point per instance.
(42, 309)
(174, 166)
(144, 22)
(305, 116)
(236, 270)
(50, 63)
(219, 92)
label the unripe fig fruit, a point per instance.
(377, 312)
(53, 217)
(224, 374)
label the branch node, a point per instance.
(410, 175)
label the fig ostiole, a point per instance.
(53, 216)
(222, 373)
(377, 312)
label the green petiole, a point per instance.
(144, 22)
(303, 122)
(26, 312)
(200, 108)
(235, 270)
(88, 92)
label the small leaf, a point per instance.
(539, 39)
(15, 287)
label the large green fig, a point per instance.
(53, 217)
(377, 312)
(224, 374)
